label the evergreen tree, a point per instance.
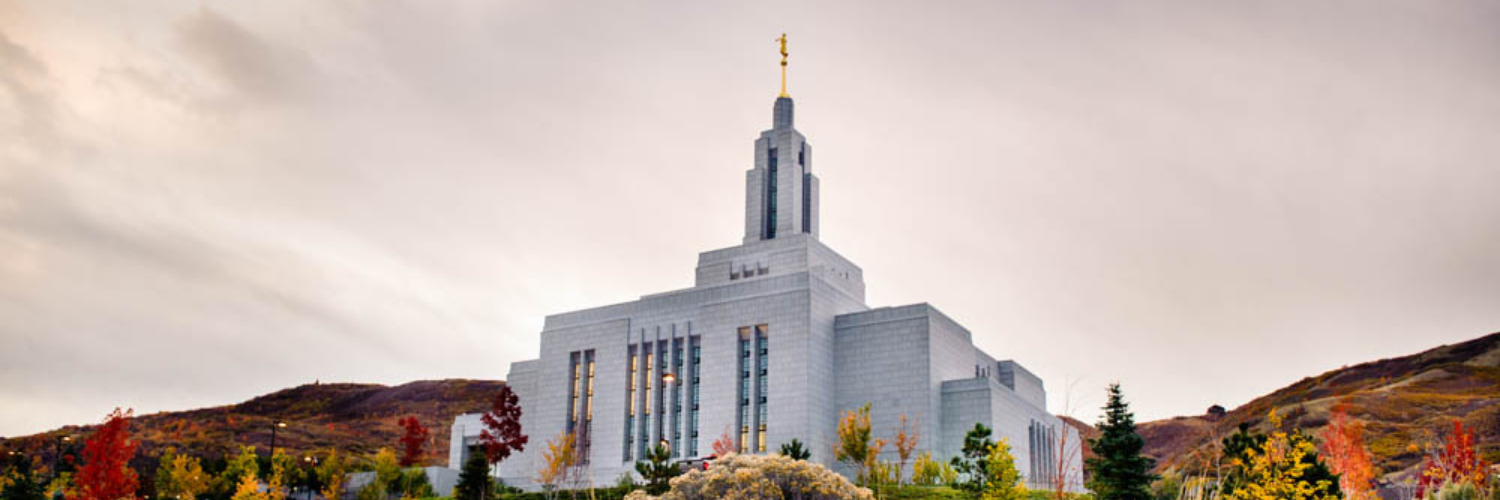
(1119, 471)
(795, 451)
(658, 470)
(24, 485)
(474, 479)
(973, 461)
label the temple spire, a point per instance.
(783, 65)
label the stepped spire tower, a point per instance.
(781, 193)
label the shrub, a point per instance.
(751, 477)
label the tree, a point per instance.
(1344, 449)
(973, 459)
(1003, 481)
(1280, 465)
(795, 451)
(21, 482)
(412, 441)
(246, 463)
(180, 477)
(413, 483)
(906, 442)
(387, 471)
(106, 473)
(333, 473)
(248, 489)
(1119, 470)
(929, 472)
(855, 446)
(557, 462)
(657, 470)
(724, 445)
(1456, 463)
(474, 480)
(502, 427)
(280, 476)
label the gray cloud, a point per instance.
(199, 204)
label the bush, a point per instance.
(751, 477)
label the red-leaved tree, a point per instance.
(502, 427)
(106, 473)
(412, 441)
(1456, 462)
(1344, 450)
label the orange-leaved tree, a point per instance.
(412, 440)
(724, 445)
(1456, 463)
(106, 473)
(906, 443)
(1344, 450)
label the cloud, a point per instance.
(259, 71)
(199, 204)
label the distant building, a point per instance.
(771, 343)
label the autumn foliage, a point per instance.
(412, 440)
(724, 445)
(106, 474)
(1344, 450)
(502, 427)
(1455, 463)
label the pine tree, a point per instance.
(474, 479)
(973, 461)
(658, 470)
(794, 450)
(1119, 470)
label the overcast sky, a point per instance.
(201, 202)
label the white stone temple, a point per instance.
(771, 343)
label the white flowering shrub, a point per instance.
(752, 477)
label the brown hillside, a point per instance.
(354, 418)
(1407, 402)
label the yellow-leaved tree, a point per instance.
(333, 472)
(856, 446)
(1004, 480)
(557, 461)
(1275, 469)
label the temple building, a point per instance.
(771, 343)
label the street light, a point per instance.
(669, 378)
(273, 437)
(57, 454)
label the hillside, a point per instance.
(354, 418)
(1405, 401)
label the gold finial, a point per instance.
(783, 65)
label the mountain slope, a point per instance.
(354, 418)
(1406, 402)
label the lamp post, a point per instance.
(57, 454)
(273, 438)
(312, 464)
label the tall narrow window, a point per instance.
(587, 436)
(677, 397)
(630, 405)
(744, 393)
(573, 380)
(697, 362)
(762, 362)
(647, 383)
(771, 194)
